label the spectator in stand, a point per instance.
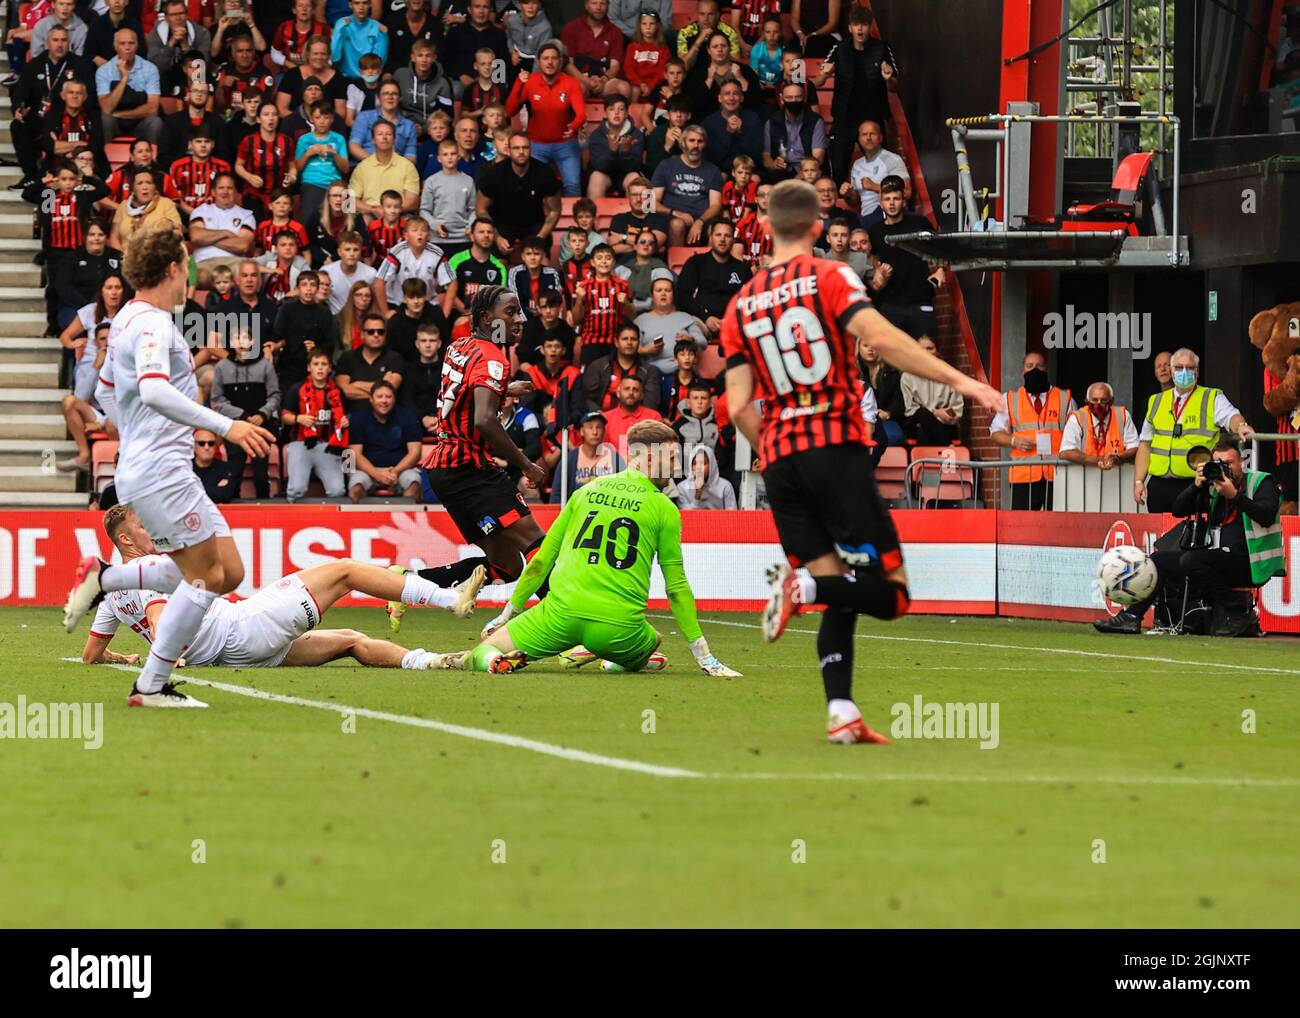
(816, 25)
(423, 379)
(705, 488)
(645, 59)
(265, 163)
(665, 141)
(872, 167)
(548, 323)
(766, 57)
(129, 90)
(1100, 434)
(903, 284)
(281, 266)
(318, 424)
(221, 231)
(595, 47)
(522, 195)
(627, 15)
(656, 103)
(388, 110)
(601, 378)
(732, 130)
(886, 386)
(80, 336)
(353, 37)
(692, 38)
(835, 247)
(864, 77)
(474, 268)
(594, 458)
(71, 125)
(359, 303)
(690, 188)
(552, 374)
(62, 14)
(144, 209)
(247, 306)
(321, 159)
(243, 121)
(85, 417)
(347, 270)
(696, 424)
(422, 86)
(663, 328)
(303, 325)
(642, 270)
(933, 410)
(78, 277)
(556, 112)
(194, 174)
(625, 227)
(710, 74)
(748, 17)
(407, 27)
(290, 38)
(629, 410)
(245, 388)
(37, 90)
(616, 149)
(236, 24)
(711, 278)
(464, 40)
(214, 473)
(795, 133)
(100, 35)
(600, 306)
(677, 383)
(289, 93)
(527, 27)
(360, 370)
(385, 170)
(417, 312)
(448, 200)
(532, 277)
(1032, 427)
(178, 127)
(241, 74)
(524, 429)
(584, 217)
(469, 143)
(330, 223)
(489, 85)
(414, 258)
(386, 443)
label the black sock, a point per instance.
(864, 592)
(452, 573)
(835, 650)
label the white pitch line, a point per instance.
(1017, 647)
(658, 771)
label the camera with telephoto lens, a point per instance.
(1213, 471)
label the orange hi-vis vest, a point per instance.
(1027, 424)
(1112, 444)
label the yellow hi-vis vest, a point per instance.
(1020, 411)
(1169, 451)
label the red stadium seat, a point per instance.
(677, 256)
(947, 483)
(117, 153)
(170, 104)
(890, 474)
(102, 463)
(606, 210)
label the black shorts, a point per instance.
(825, 500)
(480, 500)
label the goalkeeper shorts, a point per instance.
(540, 632)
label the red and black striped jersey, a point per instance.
(193, 178)
(603, 310)
(754, 238)
(237, 82)
(736, 201)
(476, 96)
(790, 325)
(752, 13)
(264, 236)
(277, 285)
(119, 184)
(384, 238)
(291, 42)
(74, 128)
(61, 221)
(269, 160)
(470, 362)
(576, 270)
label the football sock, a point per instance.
(421, 592)
(452, 573)
(177, 627)
(481, 657)
(152, 572)
(864, 591)
(501, 574)
(835, 652)
(845, 710)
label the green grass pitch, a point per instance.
(301, 823)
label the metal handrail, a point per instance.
(954, 465)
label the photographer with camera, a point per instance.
(1232, 539)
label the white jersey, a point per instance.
(144, 342)
(129, 608)
(401, 264)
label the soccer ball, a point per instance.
(1127, 575)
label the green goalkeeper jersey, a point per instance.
(600, 551)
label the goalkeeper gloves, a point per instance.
(507, 613)
(709, 664)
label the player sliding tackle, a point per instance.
(789, 337)
(599, 553)
(277, 625)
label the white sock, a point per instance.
(421, 592)
(845, 710)
(152, 572)
(177, 627)
(414, 659)
(805, 589)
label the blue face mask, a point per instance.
(370, 79)
(1184, 378)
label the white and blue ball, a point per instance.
(1126, 575)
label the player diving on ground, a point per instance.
(598, 554)
(277, 625)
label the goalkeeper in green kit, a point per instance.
(599, 553)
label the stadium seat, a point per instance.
(170, 104)
(710, 363)
(117, 153)
(677, 256)
(606, 210)
(637, 111)
(890, 473)
(1125, 208)
(103, 466)
(595, 112)
(947, 483)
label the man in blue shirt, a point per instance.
(129, 89)
(386, 442)
(361, 144)
(356, 36)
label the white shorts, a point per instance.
(180, 515)
(265, 626)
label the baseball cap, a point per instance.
(594, 415)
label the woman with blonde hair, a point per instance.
(361, 298)
(335, 219)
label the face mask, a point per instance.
(370, 79)
(794, 109)
(1184, 378)
(1036, 381)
